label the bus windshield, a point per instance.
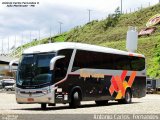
(34, 70)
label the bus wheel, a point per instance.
(43, 106)
(127, 99)
(9, 89)
(75, 100)
(102, 102)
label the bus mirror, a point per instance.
(11, 64)
(53, 61)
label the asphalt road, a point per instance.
(147, 105)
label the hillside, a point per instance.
(111, 32)
(97, 32)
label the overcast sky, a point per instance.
(17, 23)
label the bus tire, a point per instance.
(127, 98)
(102, 102)
(9, 89)
(75, 100)
(43, 106)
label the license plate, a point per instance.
(30, 99)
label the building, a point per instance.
(4, 66)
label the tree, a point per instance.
(112, 19)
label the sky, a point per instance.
(20, 25)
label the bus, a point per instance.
(70, 72)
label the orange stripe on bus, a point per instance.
(119, 95)
(111, 89)
(125, 85)
(114, 83)
(123, 75)
(120, 85)
(132, 77)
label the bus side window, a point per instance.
(137, 63)
(61, 65)
(59, 70)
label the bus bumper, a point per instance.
(31, 97)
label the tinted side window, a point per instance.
(67, 53)
(61, 65)
(121, 62)
(138, 63)
(97, 60)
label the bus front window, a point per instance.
(34, 70)
(25, 70)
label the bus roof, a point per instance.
(54, 47)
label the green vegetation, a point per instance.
(112, 28)
(111, 32)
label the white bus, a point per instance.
(73, 72)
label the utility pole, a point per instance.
(2, 47)
(8, 45)
(14, 49)
(89, 15)
(39, 34)
(60, 27)
(15, 42)
(22, 44)
(121, 7)
(50, 34)
(30, 36)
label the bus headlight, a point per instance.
(45, 91)
(17, 91)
